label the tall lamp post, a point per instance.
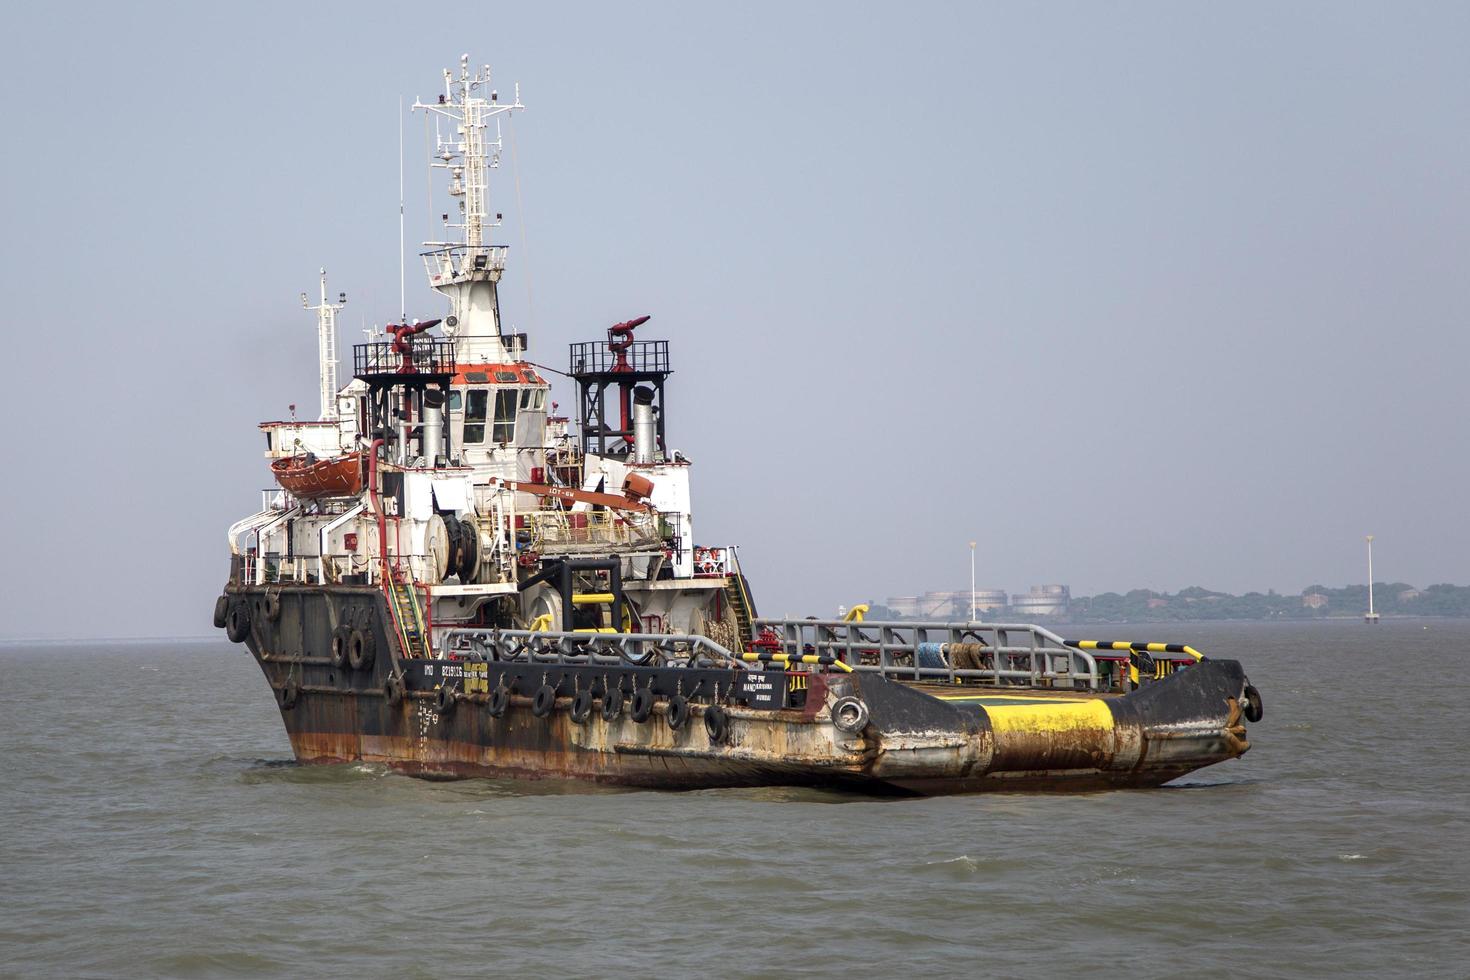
(973, 617)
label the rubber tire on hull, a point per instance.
(716, 723)
(498, 701)
(581, 706)
(221, 611)
(612, 703)
(393, 689)
(340, 637)
(360, 649)
(237, 621)
(444, 701)
(289, 694)
(678, 712)
(272, 606)
(642, 706)
(849, 715)
(544, 701)
(1254, 710)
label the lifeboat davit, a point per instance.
(308, 477)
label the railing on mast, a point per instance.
(449, 262)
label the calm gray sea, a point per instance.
(156, 826)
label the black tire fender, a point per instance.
(642, 705)
(581, 706)
(678, 714)
(716, 723)
(498, 701)
(1253, 710)
(360, 649)
(393, 689)
(444, 700)
(612, 703)
(338, 654)
(544, 701)
(289, 694)
(237, 621)
(849, 715)
(272, 606)
(221, 611)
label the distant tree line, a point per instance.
(1314, 602)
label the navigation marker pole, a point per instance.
(1372, 616)
(973, 618)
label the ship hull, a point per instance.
(396, 712)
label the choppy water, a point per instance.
(157, 826)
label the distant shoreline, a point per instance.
(1391, 600)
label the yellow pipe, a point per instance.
(591, 598)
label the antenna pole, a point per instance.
(402, 254)
(326, 350)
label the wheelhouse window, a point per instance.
(454, 401)
(474, 415)
(505, 416)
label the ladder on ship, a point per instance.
(737, 594)
(408, 617)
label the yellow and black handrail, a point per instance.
(1136, 663)
(752, 656)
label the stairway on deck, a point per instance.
(737, 594)
(405, 608)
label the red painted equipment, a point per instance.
(402, 345)
(619, 339)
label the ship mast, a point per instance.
(468, 271)
(326, 347)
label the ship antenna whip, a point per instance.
(515, 166)
(402, 247)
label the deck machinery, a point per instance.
(452, 579)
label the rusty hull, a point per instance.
(914, 741)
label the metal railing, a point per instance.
(425, 355)
(595, 357)
(270, 568)
(453, 261)
(558, 529)
(713, 562)
(996, 654)
(603, 649)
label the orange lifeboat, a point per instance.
(308, 477)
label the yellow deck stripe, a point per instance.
(1020, 698)
(1078, 716)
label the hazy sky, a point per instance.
(1134, 295)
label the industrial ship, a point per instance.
(451, 579)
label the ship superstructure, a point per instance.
(440, 537)
(480, 486)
